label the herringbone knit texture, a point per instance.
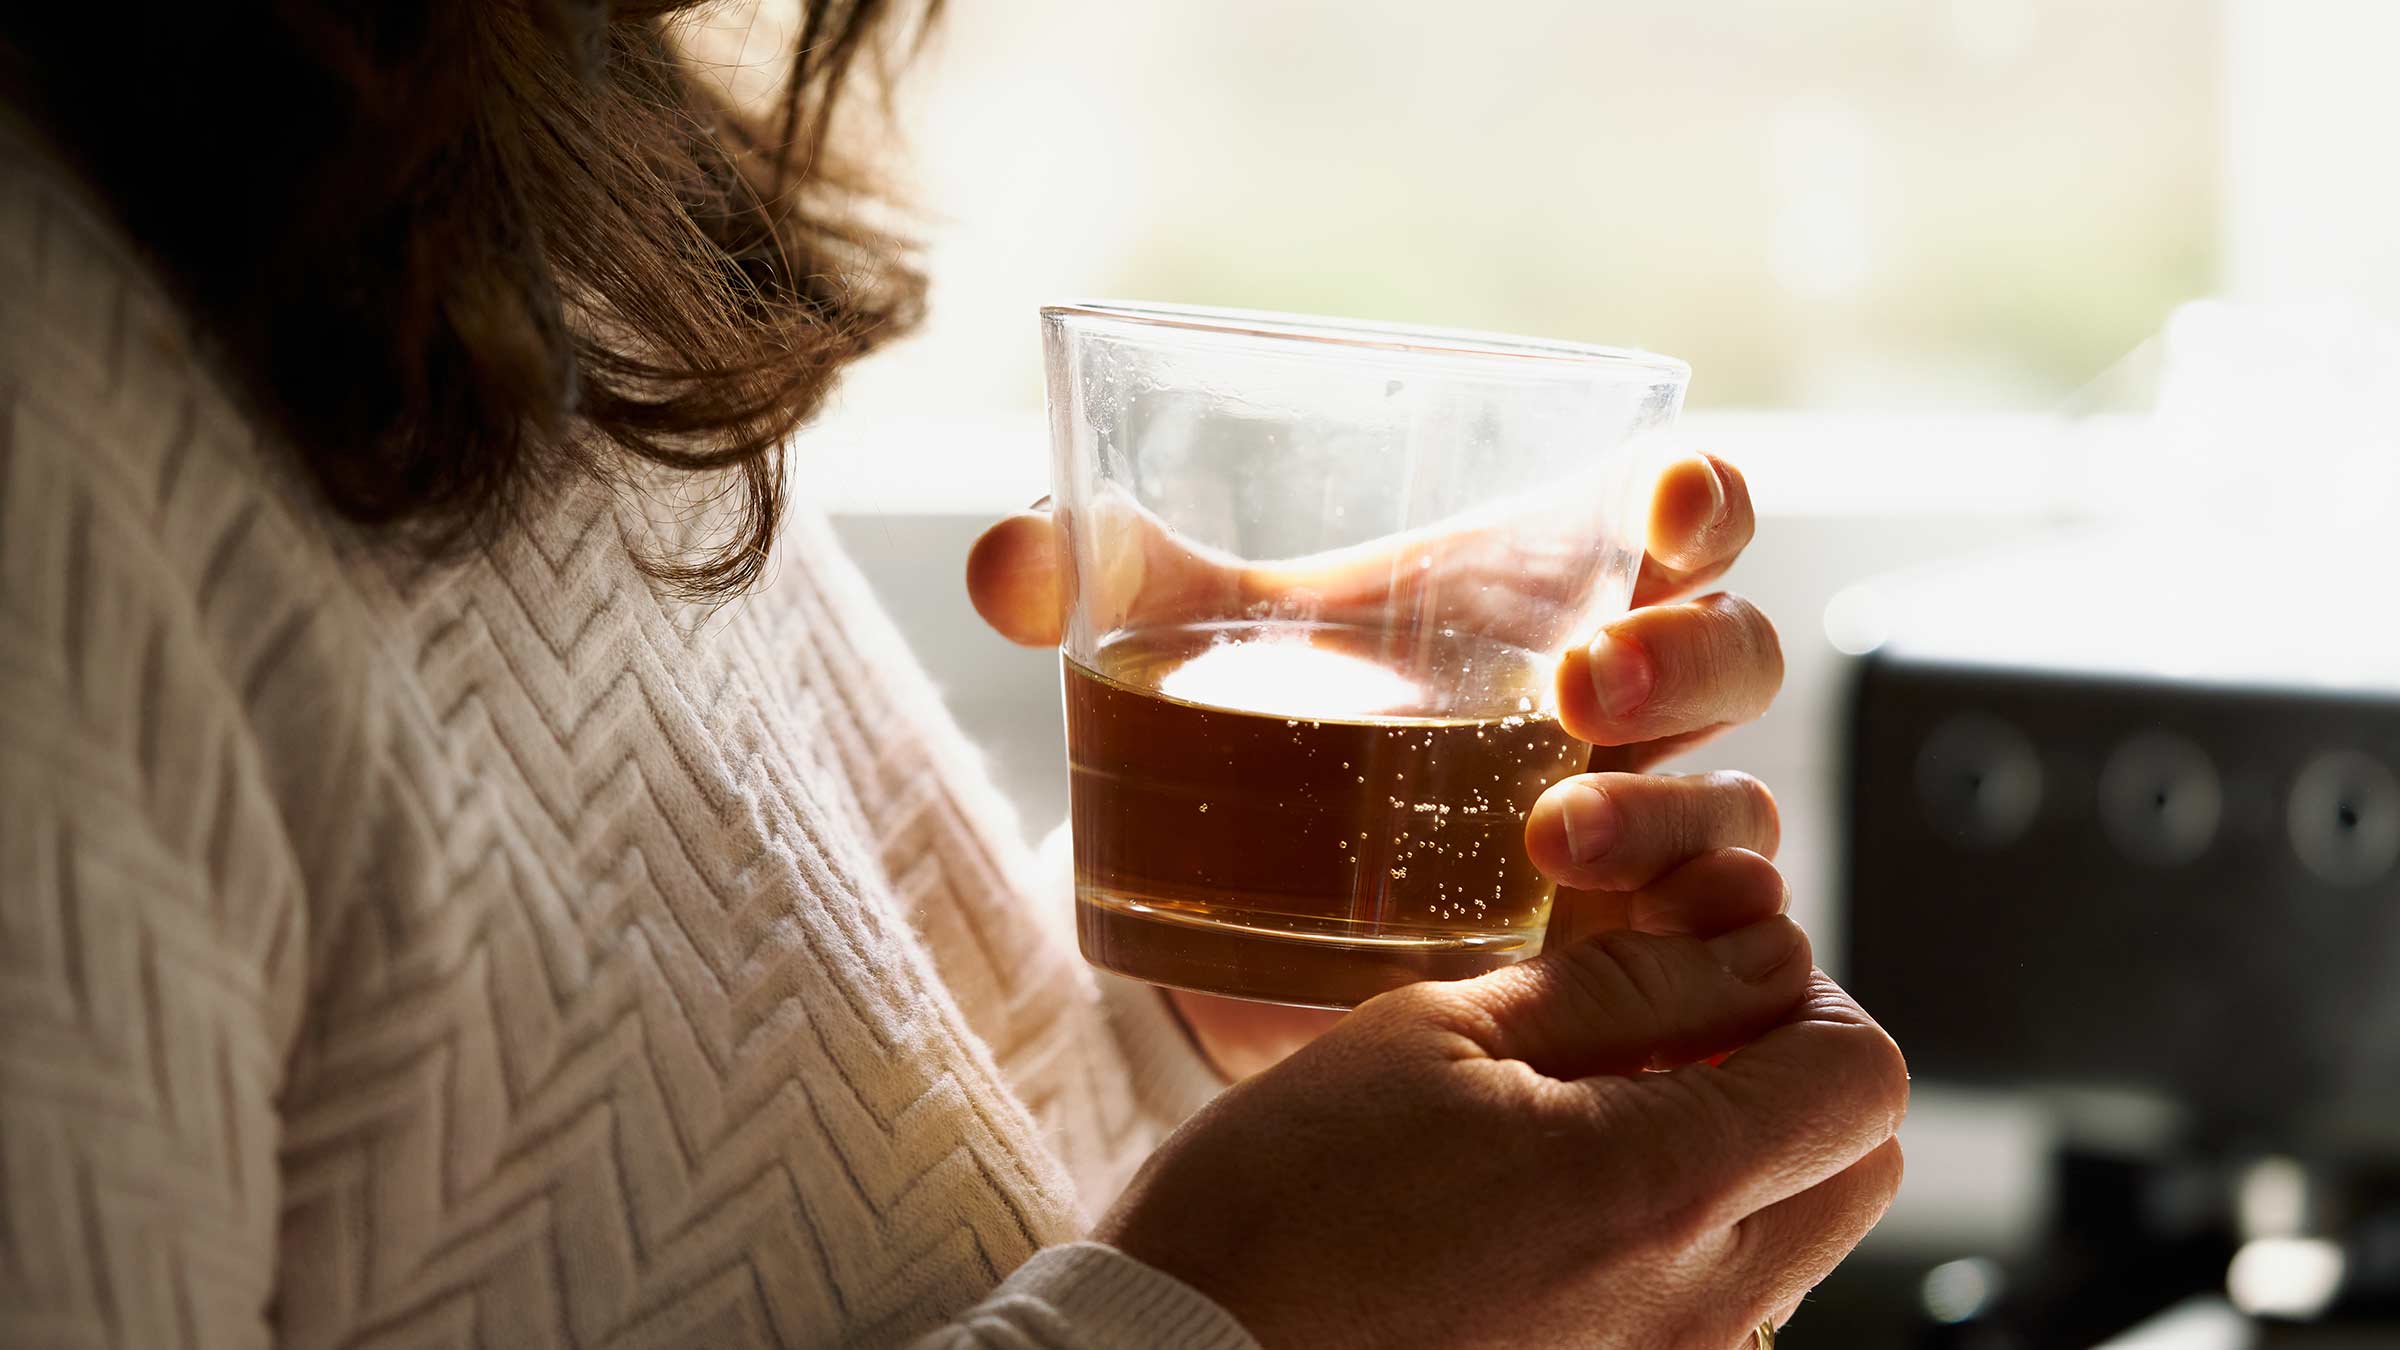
(488, 953)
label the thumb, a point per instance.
(1623, 1002)
(1013, 578)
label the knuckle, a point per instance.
(1754, 805)
(1894, 1171)
(1428, 1003)
(1893, 1074)
(1747, 631)
(1875, 1069)
(1860, 1198)
(1444, 1017)
(1698, 640)
(1856, 1046)
(1591, 974)
(1628, 975)
(1689, 1177)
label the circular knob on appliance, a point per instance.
(2344, 817)
(2160, 799)
(1979, 780)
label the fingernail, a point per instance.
(1621, 675)
(1590, 819)
(1758, 951)
(1716, 490)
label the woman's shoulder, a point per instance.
(160, 563)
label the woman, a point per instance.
(460, 887)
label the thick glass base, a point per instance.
(1209, 952)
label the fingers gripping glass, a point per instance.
(1319, 575)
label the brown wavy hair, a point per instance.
(462, 249)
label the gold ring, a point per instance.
(1764, 1337)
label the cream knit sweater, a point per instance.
(493, 953)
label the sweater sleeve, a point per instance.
(1085, 1296)
(1103, 1066)
(152, 932)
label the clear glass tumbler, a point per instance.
(1319, 577)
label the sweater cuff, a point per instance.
(1089, 1296)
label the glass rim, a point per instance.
(1366, 335)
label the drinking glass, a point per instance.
(1319, 574)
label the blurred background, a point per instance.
(2073, 320)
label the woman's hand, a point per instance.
(1487, 1162)
(1658, 680)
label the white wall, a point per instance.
(2312, 134)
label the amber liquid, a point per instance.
(1284, 815)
